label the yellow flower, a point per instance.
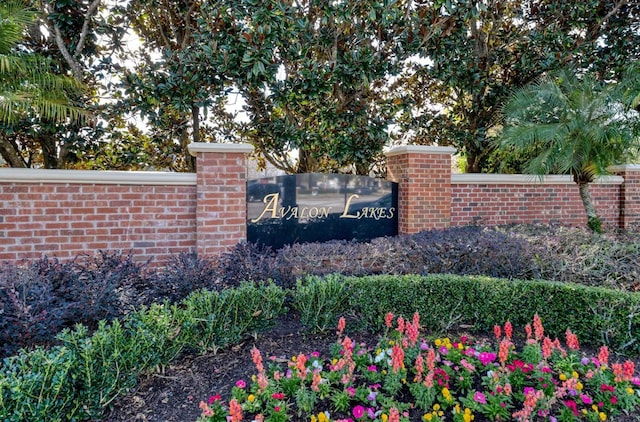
(391, 342)
(602, 416)
(251, 398)
(468, 416)
(584, 411)
(313, 418)
(294, 358)
(427, 416)
(575, 375)
(334, 361)
(563, 377)
(253, 378)
(594, 407)
(579, 386)
(446, 394)
(322, 417)
(456, 409)
(384, 417)
(630, 390)
(438, 342)
(436, 407)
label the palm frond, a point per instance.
(15, 16)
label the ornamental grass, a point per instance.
(406, 377)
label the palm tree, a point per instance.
(27, 81)
(570, 124)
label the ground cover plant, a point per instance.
(408, 378)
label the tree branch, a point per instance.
(85, 26)
(73, 64)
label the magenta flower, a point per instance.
(585, 399)
(486, 358)
(372, 368)
(478, 397)
(358, 412)
(241, 384)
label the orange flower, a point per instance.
(503, 353)
(572, 340)
(397, 358)
(235, 411)
(341, 324)
(508, 330)
(538, 329)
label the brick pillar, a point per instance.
(221, 210)
(629, 196)
(424, 192)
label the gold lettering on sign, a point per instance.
(272, 205)
(345, 213)
(271, 210)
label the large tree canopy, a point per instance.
(324, 85)
(482, 49)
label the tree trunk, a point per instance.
(593, 221)
(10, 155)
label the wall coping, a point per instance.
(419, 149)
(196, 147)
(18, 175)
(624, 167)
(525, 179)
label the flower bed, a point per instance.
(409, 378)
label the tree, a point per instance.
(570, 124)
(28, 84)
(481, 49)
(314, 77)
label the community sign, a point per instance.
(317, 207)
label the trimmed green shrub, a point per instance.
(596, 315)
(320, 301)
(211, 320)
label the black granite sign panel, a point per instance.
(316, 207)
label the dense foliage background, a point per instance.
(332, 81)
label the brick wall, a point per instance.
(64, 213)
(154, 215)
(509, 199)
(490, 199)
(629, 196)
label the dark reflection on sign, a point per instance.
(317, 207)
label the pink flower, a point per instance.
(235, 411)
(572, 340)
(497, 332)
(388, 319)
(603, 355)
(214, 398)
(486, 358)
(241, 384)
(341, 324)
(479, 398)
(538, 329)
(358, 412)
(350, 391)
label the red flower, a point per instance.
(573, 406)
(277, 396)
(214, 398)
(605, 387)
